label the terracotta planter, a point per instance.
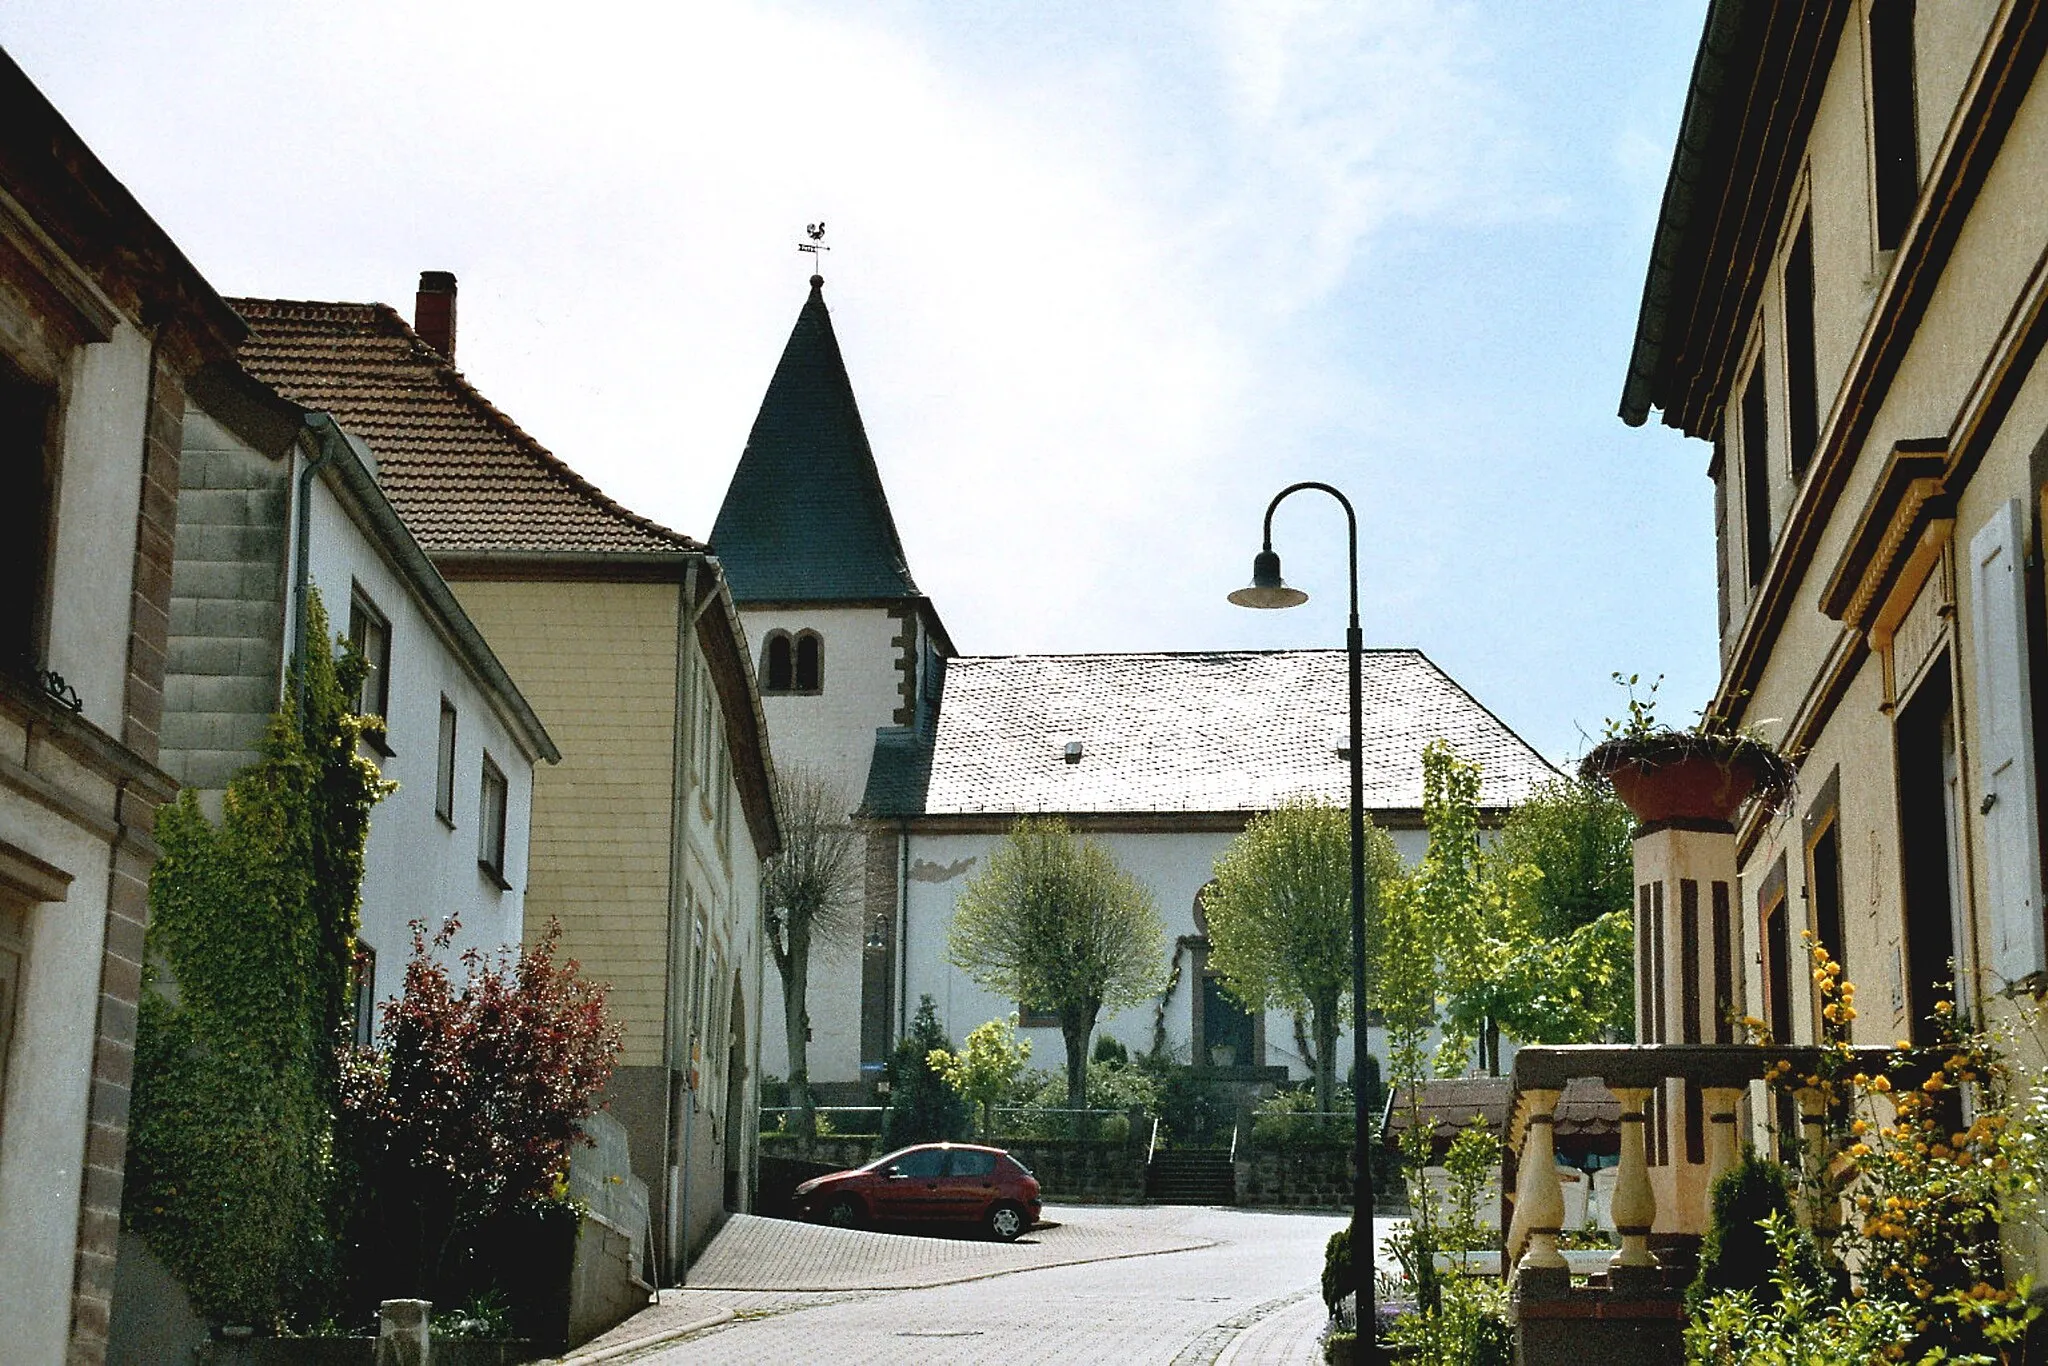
(1685, 778)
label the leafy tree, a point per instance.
(1574, 837)
(922, 1107)
(985, 1069)
(466, 1108)
(1054, 921)
(812, 891)
(1279, 918)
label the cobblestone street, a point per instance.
(1168, 1285)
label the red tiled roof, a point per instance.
(461, 473)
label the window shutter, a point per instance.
(2005, 746)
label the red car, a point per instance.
(930, 1183)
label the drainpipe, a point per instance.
(903, 931)
(688, 613)
(332, 443)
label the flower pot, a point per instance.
(1688, 777)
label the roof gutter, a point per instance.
(1724, 25)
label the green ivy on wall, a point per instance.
(252, 930)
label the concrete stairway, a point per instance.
(1191, 1176)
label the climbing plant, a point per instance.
(252, 926)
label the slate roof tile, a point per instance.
(463, 475)
(1235, 730)
(805, 518)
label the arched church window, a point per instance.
(777, 671)
(810, 662)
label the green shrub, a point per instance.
(1193, 1108)
(1108, 1049)
(1110, 1086)
(1737, 1253)
(1337, 1268)
(922, 1108)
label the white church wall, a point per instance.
(832, 730)
(1174, 865)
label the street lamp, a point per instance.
(1269, 590)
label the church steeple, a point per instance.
(805, 519)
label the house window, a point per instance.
(1928, 777)
(1756, 477)
(26, 498)
(13, 968)
(1802, 383)
(444, 767)
(793, 664)
(778, 669)
(810, 662)
(369, 630)
(1823, 829)
(1037, 1016)
(1724, 539)
(1894, 139)
(491, 820)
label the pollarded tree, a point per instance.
(1280, 918)
(812, 890)
(1053, 922)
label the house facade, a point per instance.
(647, 840)
(1845, 304)
(102, 324)
(277, 502)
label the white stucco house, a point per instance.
(1163, 757)
(278, 501)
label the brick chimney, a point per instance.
(433, 314)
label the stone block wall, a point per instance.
(1295, 1178)
(227, 621)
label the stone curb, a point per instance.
(617, 1350)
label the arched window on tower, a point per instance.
(777, 673)
(810, 662)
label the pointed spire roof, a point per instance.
(805, 518)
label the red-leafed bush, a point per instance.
(463, 1111)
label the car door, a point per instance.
(909, 1188)
(969, 1186)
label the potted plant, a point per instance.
(1703, 772)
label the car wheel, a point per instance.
(1005, 1222)
(843, 1213)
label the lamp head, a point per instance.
(1267, 588)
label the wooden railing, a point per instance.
(1668, 1196)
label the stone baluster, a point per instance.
(1723, 1105)
(1539, 1195)
(1814, 1156)
(1635, 1204)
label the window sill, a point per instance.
(449, 821)
(494, 876)
(792, 692)
(379, 743)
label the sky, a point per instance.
(1106, 278)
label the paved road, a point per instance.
(1172, 1286)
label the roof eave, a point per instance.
(1690, 164)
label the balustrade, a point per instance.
(1664, 1198)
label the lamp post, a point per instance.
(1269, 590)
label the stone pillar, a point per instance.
(402, 1327)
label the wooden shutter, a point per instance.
(2005, 746)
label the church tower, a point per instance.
(844, 644)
